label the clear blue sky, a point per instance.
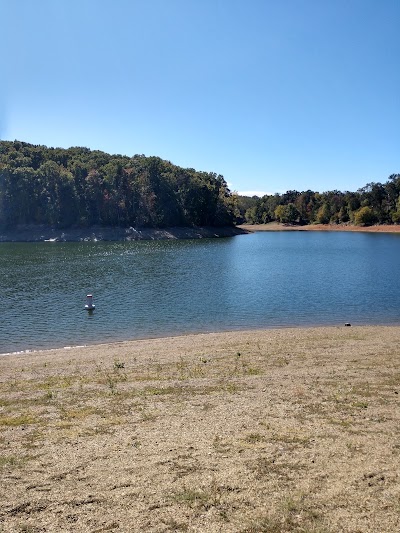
(273, 94)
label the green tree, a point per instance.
(365, 216)
(396, 214)
(280, 213)
(287, 214)
(323, 214)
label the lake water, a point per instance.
(158, 288)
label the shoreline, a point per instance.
(277, 226)
(183, 335)
(295, 429)
(31, 233)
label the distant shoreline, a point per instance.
(276, 226)
(32, 233)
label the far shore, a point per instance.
(32, 233)
(276, 226)
(277, 430)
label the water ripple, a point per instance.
(160, 288)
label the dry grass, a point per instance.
(266, 431)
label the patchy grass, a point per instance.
(254, 438)
(203, 498)
(15, 461)
(10, 460)
(161, 391)
(79, 413)
(21, 420)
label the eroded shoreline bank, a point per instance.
(100, 233)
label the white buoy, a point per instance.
(89, 302)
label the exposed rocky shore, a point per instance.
(29, 233)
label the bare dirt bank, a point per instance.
(276, 226)
(99, 233)
(262, 431)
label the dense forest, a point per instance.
(80, 187)
(376, 203)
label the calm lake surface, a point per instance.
(158, 288)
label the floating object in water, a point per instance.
(347, 324)
(89, 303)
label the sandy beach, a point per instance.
(276, 226)
(260, 431)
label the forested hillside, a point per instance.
(80, 187)
(376, 203)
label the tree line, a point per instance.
(376, 203)
(82, 187)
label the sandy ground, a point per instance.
(276, 226)
(262, 431)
